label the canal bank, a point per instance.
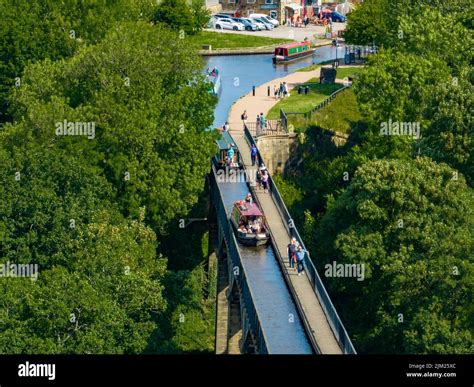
(250, 50)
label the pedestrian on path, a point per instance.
(226, 127)
(244, 116)
(275, 91)
(253, 154)
(285, 90)
(265, 180)
(263, 121)
(292, 253)
(300, 259)
(258, 121)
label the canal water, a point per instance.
(279, 318)
(240, 72)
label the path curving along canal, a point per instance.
(240, 72)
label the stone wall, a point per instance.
(275, 151)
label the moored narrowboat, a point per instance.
(292, 51)
(227, 152)
(214, 77)
(248, 222)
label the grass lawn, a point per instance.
(233, 41)
(343, 72)
(337, 116)
(302, 103)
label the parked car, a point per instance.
(266, 18)
(222, 14)
(335, 17)
(267, 24)
(260, 26)
(228, 24)
(249, 26)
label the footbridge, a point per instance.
(263, 307)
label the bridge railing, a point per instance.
(271, 127)
(333, 318)
(249, 314)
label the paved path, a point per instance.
(312, 309)
(261, 103)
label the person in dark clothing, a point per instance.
(292, 252)
(253, 154)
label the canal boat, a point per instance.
(227, 152)
(248, 223)
(292, 51)
(214, 77)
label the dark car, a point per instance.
(248, 25)
(335, 17)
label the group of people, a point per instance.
(296, 256)
(254, 224)
(298, 21)
(212, 73)
(282, 91)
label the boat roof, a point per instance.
(250, 209)
(294, 44)
(225, 140)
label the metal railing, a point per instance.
(333, 318)
(320, 105)
(271, 127)
(249, 314)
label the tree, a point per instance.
(412, 225)
(99, 288)
(372, 22)
(32, 30)
(144, 90)
(201, 15)
(176, 14)
(450, 135)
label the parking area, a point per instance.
(285, 32)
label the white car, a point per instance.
(225, 23)
(265, 18)
(267, 24)
(259, 25)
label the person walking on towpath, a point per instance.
(253, 154)
(299, 259)
(262, 121)
(292, 253)
(244, 116)
(265, 180)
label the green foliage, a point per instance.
(99, 285)
(340, 115)
(146, 111)
(411, 224)
(450, 136)
(372, 22)
(303, 103)
(32, 30)
(179, 16)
